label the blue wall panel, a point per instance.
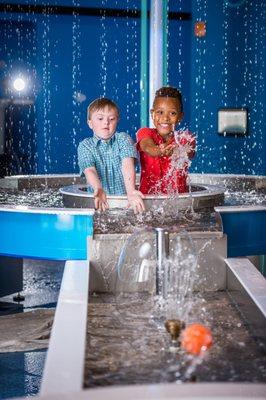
(228, 70)
(95, 56)
(245, 232)
(179, 63)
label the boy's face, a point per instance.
(103, 122)
(166, 114)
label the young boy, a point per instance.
(107, 158)
(163, 165)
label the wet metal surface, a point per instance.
(139, 351)
(127, 222)
(26, 331)
(44, 197)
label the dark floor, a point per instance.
(21, 371)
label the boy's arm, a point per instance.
(129, 174)
(93, 180)
(148, 146)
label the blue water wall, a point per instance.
(228, 71)
(74, 58)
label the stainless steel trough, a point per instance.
(200, 197)
(60, 376)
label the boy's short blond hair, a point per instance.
(100, 104)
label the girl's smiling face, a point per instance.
(166, 114)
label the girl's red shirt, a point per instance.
(156, 174)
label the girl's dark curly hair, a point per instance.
(169, 91)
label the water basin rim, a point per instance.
(229, 176)
(192, 174)
(76, 190)
(40, 176)
(241, 208)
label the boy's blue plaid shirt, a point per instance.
(106, 157)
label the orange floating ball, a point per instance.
(196, 338)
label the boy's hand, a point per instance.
(100, 200)
(135, 201)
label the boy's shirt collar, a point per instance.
(98, 140)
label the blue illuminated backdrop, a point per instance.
(75, 57)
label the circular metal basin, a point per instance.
(200, 197)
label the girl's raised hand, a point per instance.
(167, 149)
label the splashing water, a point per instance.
(137, 272)
(179, 164)
(186, 142)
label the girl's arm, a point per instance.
(92, 178)
(134, 196)
(148, 146)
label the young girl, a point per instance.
(164, 152)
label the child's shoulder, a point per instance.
(145, 129)
(145, 132)
(86, 141)
(122, 135)
(123, 138)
